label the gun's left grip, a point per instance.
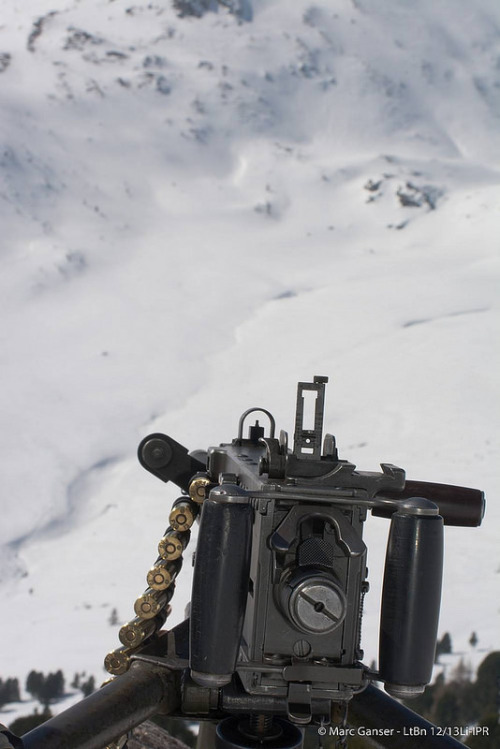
(220, 589)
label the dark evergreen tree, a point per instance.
(447, 711)
(446, 646)
(443, 646)
(53, 687)
(88, 686)
(487, 685)
(473, 640)
(113, 618)
(11, 690)
(45, 688)
(59, 683)
(34, 683)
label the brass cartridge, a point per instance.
(118, 661)
(173, 544)
(152, 602)
(162, 575)
(198, 487)
(133, 633)
(183, 514)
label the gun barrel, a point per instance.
(110, 712)
(458, 505)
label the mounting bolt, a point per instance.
(301, 648)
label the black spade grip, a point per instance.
(220, 588)
(411, 600)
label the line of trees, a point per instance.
(45, 688)
(459, 701)
(9, 691)
(84, 684)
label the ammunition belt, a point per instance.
(153, 606)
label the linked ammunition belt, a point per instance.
(153, 607)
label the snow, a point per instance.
(195, 214)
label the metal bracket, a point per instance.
(299, 708)
(275, 461)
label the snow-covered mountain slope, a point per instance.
(198, 212)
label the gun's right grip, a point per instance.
(220, 588)
(411, 600)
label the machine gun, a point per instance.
(272, 642)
